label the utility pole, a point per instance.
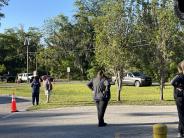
(26, 43)
(36, 62)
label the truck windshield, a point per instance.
(138, 74)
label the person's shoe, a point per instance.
(102, 125)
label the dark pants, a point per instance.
(180, 108)
(35, 96)
(101, 107)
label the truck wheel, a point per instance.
(137, 83)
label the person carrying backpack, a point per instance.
(48, 88)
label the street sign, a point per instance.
(68, 69)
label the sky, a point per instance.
(32, 13)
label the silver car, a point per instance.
(137, 79)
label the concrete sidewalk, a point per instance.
(81, 122)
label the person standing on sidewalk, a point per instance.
(100, 87)
(178, 83)
(35, 90)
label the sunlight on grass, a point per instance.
(76, 94)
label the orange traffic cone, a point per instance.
(13, 104)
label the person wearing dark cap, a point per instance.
(35, 90)
(100, 87)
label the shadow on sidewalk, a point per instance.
(152, 114)
(8, 99)
(143, 130)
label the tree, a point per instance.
(164, 32)
(9, 46)
(2, 69)
(3, 3)
(59, 43)
(83, 38)
(112, 37)
(13, 55)
(72, 41)
(159, 30)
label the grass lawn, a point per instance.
(74, 94)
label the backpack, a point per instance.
(48, 85)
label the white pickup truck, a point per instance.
(25, 77)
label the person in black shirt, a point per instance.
(35, 90)
(100, 87)
(178, 83)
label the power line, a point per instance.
(81, 50)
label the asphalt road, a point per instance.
(80, 122)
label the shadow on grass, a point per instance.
(169, 100)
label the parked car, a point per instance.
(22, 77)
(137, 79)
(7, 78)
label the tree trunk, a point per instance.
(119, 82)
(82, 74)
(161, 88)
(162, 82)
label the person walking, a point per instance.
(35, 90)
(100, 87)
(178, 83)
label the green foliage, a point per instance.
(2, 68)
(110, 34)
(3, 3)
(91, 73)
(14, 52)
(72, 43)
